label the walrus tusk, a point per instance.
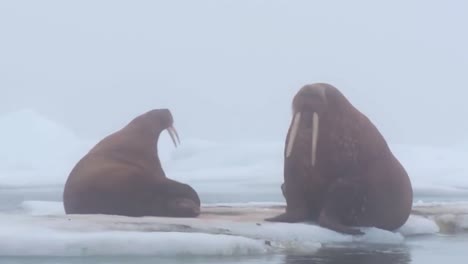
(315, 130)
(292, 136)
(173, 133)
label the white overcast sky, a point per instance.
(229, 69)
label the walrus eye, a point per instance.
(173, 133)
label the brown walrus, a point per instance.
(338, 168)
(122, 175)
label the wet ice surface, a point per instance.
(243, 175)
(41, 228)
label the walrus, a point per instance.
(338, 169)
(122, 174)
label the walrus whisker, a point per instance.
(315, 131)
(292, 136)
(173, 133)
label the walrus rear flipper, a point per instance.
(289, 217)
(183, 207)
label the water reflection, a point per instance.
(358, 255)
(330, 255)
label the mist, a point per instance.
(228, 69)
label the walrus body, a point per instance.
(122, 175)
(338, 168)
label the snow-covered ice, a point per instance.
(42, 228)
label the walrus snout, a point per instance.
(311, 98)
(163, 117)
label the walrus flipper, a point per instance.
(339, 211)
(296, 207)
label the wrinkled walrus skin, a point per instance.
(122, 175)
(338, 168)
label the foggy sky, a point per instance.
(229, 69)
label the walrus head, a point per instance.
(159, 120)
(315, 100)
(180, 199)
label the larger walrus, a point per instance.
(338, 168)
(122, 175)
